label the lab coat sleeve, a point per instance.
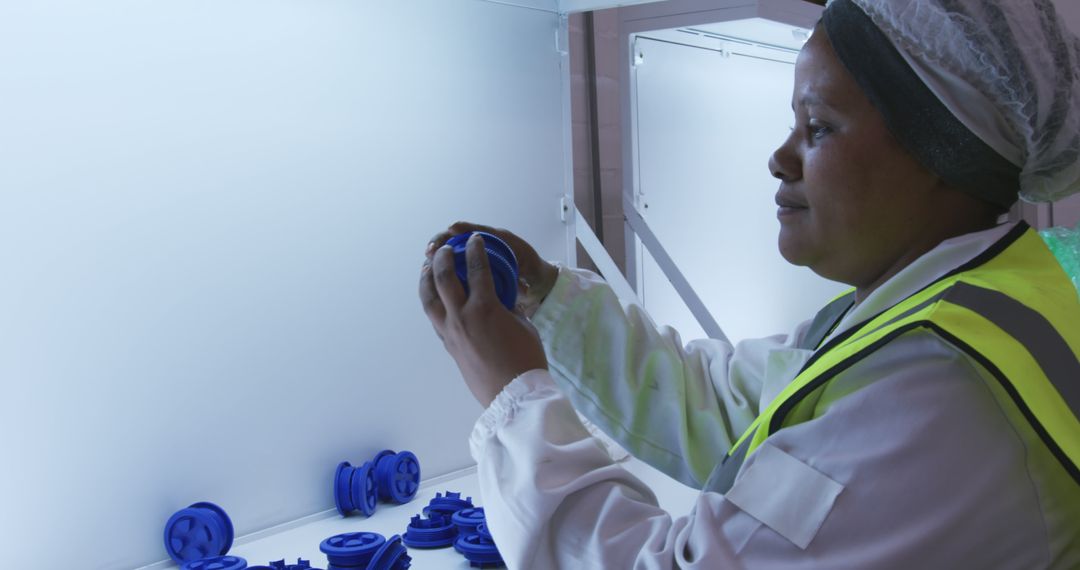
(909, 448)
(678, 408)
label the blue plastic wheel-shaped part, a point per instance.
(342, 496)
(216, 563)
(466, 520)
(200, 531)
(501, 260)
(397, 476)
(435, 532)
(479, 550)
(301, 564)
(392, 555)
(355, 489)
(351, 548)
(447, 505)
(365, 492)
(482, 530)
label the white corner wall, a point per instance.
(706, 124)
(212, 219)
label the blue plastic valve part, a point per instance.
(397, 475)
(281, 565)
(200, 531)
(466, 520)
(216, 563)
(352, 549)
(392, 555)
(447, 505)
(355, 489)
(435, 532)
(301, 564)
(501, 259)
(479, 549)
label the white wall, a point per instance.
(706, 125)
(212, 219)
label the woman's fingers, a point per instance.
(436, 242)
(429, 298)
(481, 284)
(447, 284)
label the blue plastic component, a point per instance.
(501, 259)
(397, 475)
(435, 532)
(200, 531)
(447, 505)
(355, 489)
(466, 520)
(352, 549)
(479, 549)
(216, 563)
(301, 564)
(392, 555)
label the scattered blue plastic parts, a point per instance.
(365, 550)
(200, 531)
(397, 475)
(435, 532)
(466, 520)
(501, 259)
(355, 488)
(216, 563)
(447, 505)
(479, 549)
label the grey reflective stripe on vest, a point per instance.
(1030, 329)
(723, 477)
(825, 320)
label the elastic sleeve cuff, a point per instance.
(532, 385)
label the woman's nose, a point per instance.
(784, 163)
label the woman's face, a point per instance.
(851, 200)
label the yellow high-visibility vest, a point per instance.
(1012, 309)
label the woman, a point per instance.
(928, 418)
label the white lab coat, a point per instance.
(911, 462)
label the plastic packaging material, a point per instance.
(200, 531)
(355, 488)
(479, 549)
(435, 532)
(466, 520)
(501, 259)
(365, 551)
(216, 563)
(1065, 244)
(397, 475)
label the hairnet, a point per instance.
(1008, 70)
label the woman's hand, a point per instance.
(490, 344)
(536, 277)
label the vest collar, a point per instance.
(930, 267)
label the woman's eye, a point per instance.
(817, 130)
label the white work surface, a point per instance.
(301, 539)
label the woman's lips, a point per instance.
(788, 205)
